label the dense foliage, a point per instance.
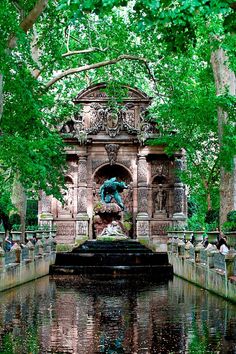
(162, 47)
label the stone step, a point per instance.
(116, 258)
(111, 259)
(154, 271)
(111, 246)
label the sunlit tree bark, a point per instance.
(225, 82)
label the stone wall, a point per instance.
(20, 266)
(207, 269)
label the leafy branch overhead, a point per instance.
(50, 50)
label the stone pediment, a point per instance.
(96, 93)
(98, 116)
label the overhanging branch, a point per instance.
(29, 20)
(83, 51)
(92, 66)
(32, 17)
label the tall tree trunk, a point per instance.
(18, 198)
(225, 81)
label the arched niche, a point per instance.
(103, 216)
(161, 196)
(66, 209)
(107, 171)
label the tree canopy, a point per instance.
(50, 50)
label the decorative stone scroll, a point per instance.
(112, 151)
(112, 120)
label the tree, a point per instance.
(55, 55)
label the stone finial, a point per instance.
(181, 247)
(30, 245)
(16, 248)
(40, 247)
(189, 245)
(210, 247)
(199, 246)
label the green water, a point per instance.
(67, 315)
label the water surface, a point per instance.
(70, 315)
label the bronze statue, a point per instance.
(110, 189)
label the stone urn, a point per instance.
(213, 236)
(16, 236)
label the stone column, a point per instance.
(142, 220)
(179, 192)
(46, 216)
(82, 218)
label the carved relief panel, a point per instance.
(97, 115)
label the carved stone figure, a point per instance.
(68, 199)
(113, 229)
(112, 150)
(161, 199)
(111, 189)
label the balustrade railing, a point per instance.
(25, 253)
(10, 257)
(203, 256)
(29, 252)
(219, 261)
(209, 257)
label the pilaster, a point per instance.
(142, 220)
(82, 218)
(179, 192)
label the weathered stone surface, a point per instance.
(65, 231)
(113, 145)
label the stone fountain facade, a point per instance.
(105, 141)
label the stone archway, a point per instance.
(104, 214)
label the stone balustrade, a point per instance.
(21, 265)
(206, 267)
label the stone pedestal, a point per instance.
(143, 226)
(46, 219)
(142, 219)
(82, 226)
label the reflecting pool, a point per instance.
(70, 315)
